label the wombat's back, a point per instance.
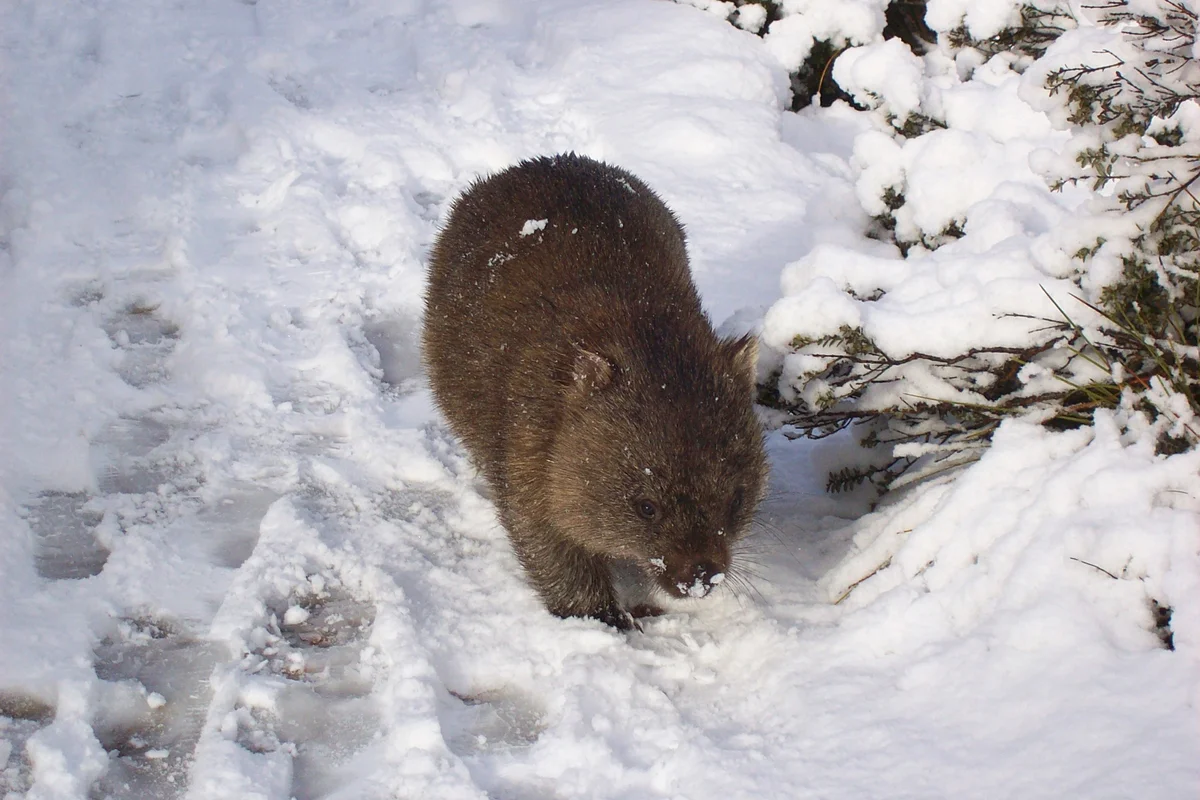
(532, 261)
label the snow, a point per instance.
(883, 74)
(241, 557)
(806, 22)
(983, 19)
(696, 589)
(532, 226)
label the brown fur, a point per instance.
(576, 365)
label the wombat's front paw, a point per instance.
(617, 617)
(642, 610)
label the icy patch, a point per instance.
(86, 293)
(532, 226)
(65, 536)
(698, 588)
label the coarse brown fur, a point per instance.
(573, 360)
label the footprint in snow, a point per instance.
(146, 341)
(323, 716)
(429, 204)
(125, 460)
(21, 716)
(230, 527)
(486, 729)
(389, 349)
(293, 90)
(64, 530)
(86, 293)
(153, 703)
(494, 720)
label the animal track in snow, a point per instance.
(323, 715)
(146, 340)
(86, 293)
(64, 532)
(150, 744)
(395, 341)
(231, 526)
(430, 204)
(21, 716)
(315, 424)
(495, 720)
(291, 89)
(491, 727)
(123, 457)
(316, 637)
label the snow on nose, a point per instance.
(704, 577)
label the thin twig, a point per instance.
(1093, 566)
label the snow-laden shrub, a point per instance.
(1048, 307)
(990, 28)
(807, 35)
(1131, 88)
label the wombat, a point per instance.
(567, 348)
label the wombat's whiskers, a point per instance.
(738, 579)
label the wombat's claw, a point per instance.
(646, 610)
(617, 617)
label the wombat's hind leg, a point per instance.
(571, 581)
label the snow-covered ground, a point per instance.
(241, 557)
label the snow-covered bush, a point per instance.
(808, 35)
(1024, 30)
(1096, 309)
(1131, 86)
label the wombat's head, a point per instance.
(659, 458)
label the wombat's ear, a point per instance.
(744, 352)
(591, 371)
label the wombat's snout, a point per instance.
(703, 577)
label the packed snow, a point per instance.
(241, 556)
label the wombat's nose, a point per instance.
(705, 576)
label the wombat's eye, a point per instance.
(739, 498)
(645, 508)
